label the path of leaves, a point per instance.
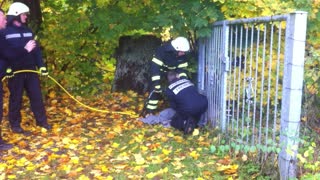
(91, 145)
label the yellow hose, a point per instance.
(131, 114)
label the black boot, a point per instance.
(189, 126)
(17, 129)
(3, 145)
(46, 126)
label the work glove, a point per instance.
(9, 73)
(43, 71)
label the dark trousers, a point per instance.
(1, 109)
(179, 119)
(1, 103)
(31, 83)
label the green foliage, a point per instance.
(80, 37)
(308, 155)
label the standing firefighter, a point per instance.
(17, 34)
(170, 56)
(7, 53)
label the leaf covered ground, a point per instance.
(86, 144)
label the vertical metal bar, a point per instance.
(244, 82)
(221, 80)
(239, 80)
(214, 73)
(201, 65)
(217, 74)
(250, 81)
(208, 91)
(269, 83)
(256, 86)
(262, 81)
(234, 79)
(225, 69)
(275, 113)
(230, 78)
(210, 80)
(292, 93)
(277, 85)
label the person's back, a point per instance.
(184, 97)
(187, 101)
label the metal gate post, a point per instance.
(292, 93)
(201, 65)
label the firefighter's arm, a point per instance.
(182, 70)
(39, 61)
(156, 64)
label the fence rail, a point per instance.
(252, 71)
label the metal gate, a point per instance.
(252, 72)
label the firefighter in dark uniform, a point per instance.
(188, 103)
(17, 34)
(6, 53)
(170, 56)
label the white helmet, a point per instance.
(17, 8)
(181, 44)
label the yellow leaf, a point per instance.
(75, 160)
(44, 130)
(229, 169)
(139, 138)
(52, 94)
(194, 154)
(195, 132)
(68, 112)
(144, 148)
(30, 167)
(104, 168)
(139, 159)
(166, 151)
(84, 177)
(151, 175)
(177, 175)
(3, 166)
(115, 145)
(3, 176)
(12, 176)
(170, 134)
(89, 147)
(66, 140)
(21, 162)
(244, 157)
(306, 154)
(109, 178)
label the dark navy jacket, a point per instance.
(17, 38)
(166, 59)
(184, 97)
(7, 53)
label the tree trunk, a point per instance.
(133, 61)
